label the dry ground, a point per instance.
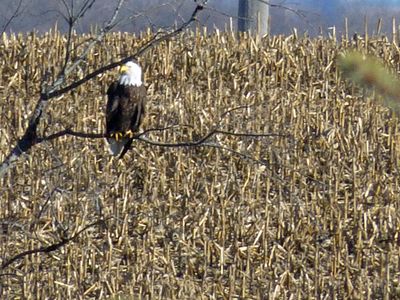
(313, 214)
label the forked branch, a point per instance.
(205, 141)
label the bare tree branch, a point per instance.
(298, 12)
(140, 136)
(62, 76)
(201, 142)
(15, 14)
(85, 135)
(48, 249)
(72, 133)
(71, 21)
(85, 7)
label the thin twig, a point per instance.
(15, 14)
(250, 134)
(70, 20)
(48, 249)
(297, 12)
(71, 132)
(49, 94)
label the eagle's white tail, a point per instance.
(115, 147)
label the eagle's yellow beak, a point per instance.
(123, 69)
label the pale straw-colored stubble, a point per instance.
(319, 218)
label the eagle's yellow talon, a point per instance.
(116, 135)
(129, 134)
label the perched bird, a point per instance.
(125, 108)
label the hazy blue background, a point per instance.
(316, 15)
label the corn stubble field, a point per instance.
(313, 214)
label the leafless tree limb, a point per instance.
(85, 135)
(71, 20)
(141, 136)
(298, 12)
(15, 14)
(201, 142)
(67, 70)
(72, 133)
(47, 249)
(205, 141)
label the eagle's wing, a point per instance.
(133, 110)
(112, 107)
(113, 119)
(135, 106)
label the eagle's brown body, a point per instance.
(125, 107)
(124, 114)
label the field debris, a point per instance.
(317, 218)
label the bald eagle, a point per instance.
(125, 108)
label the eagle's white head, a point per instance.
(131, 74)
